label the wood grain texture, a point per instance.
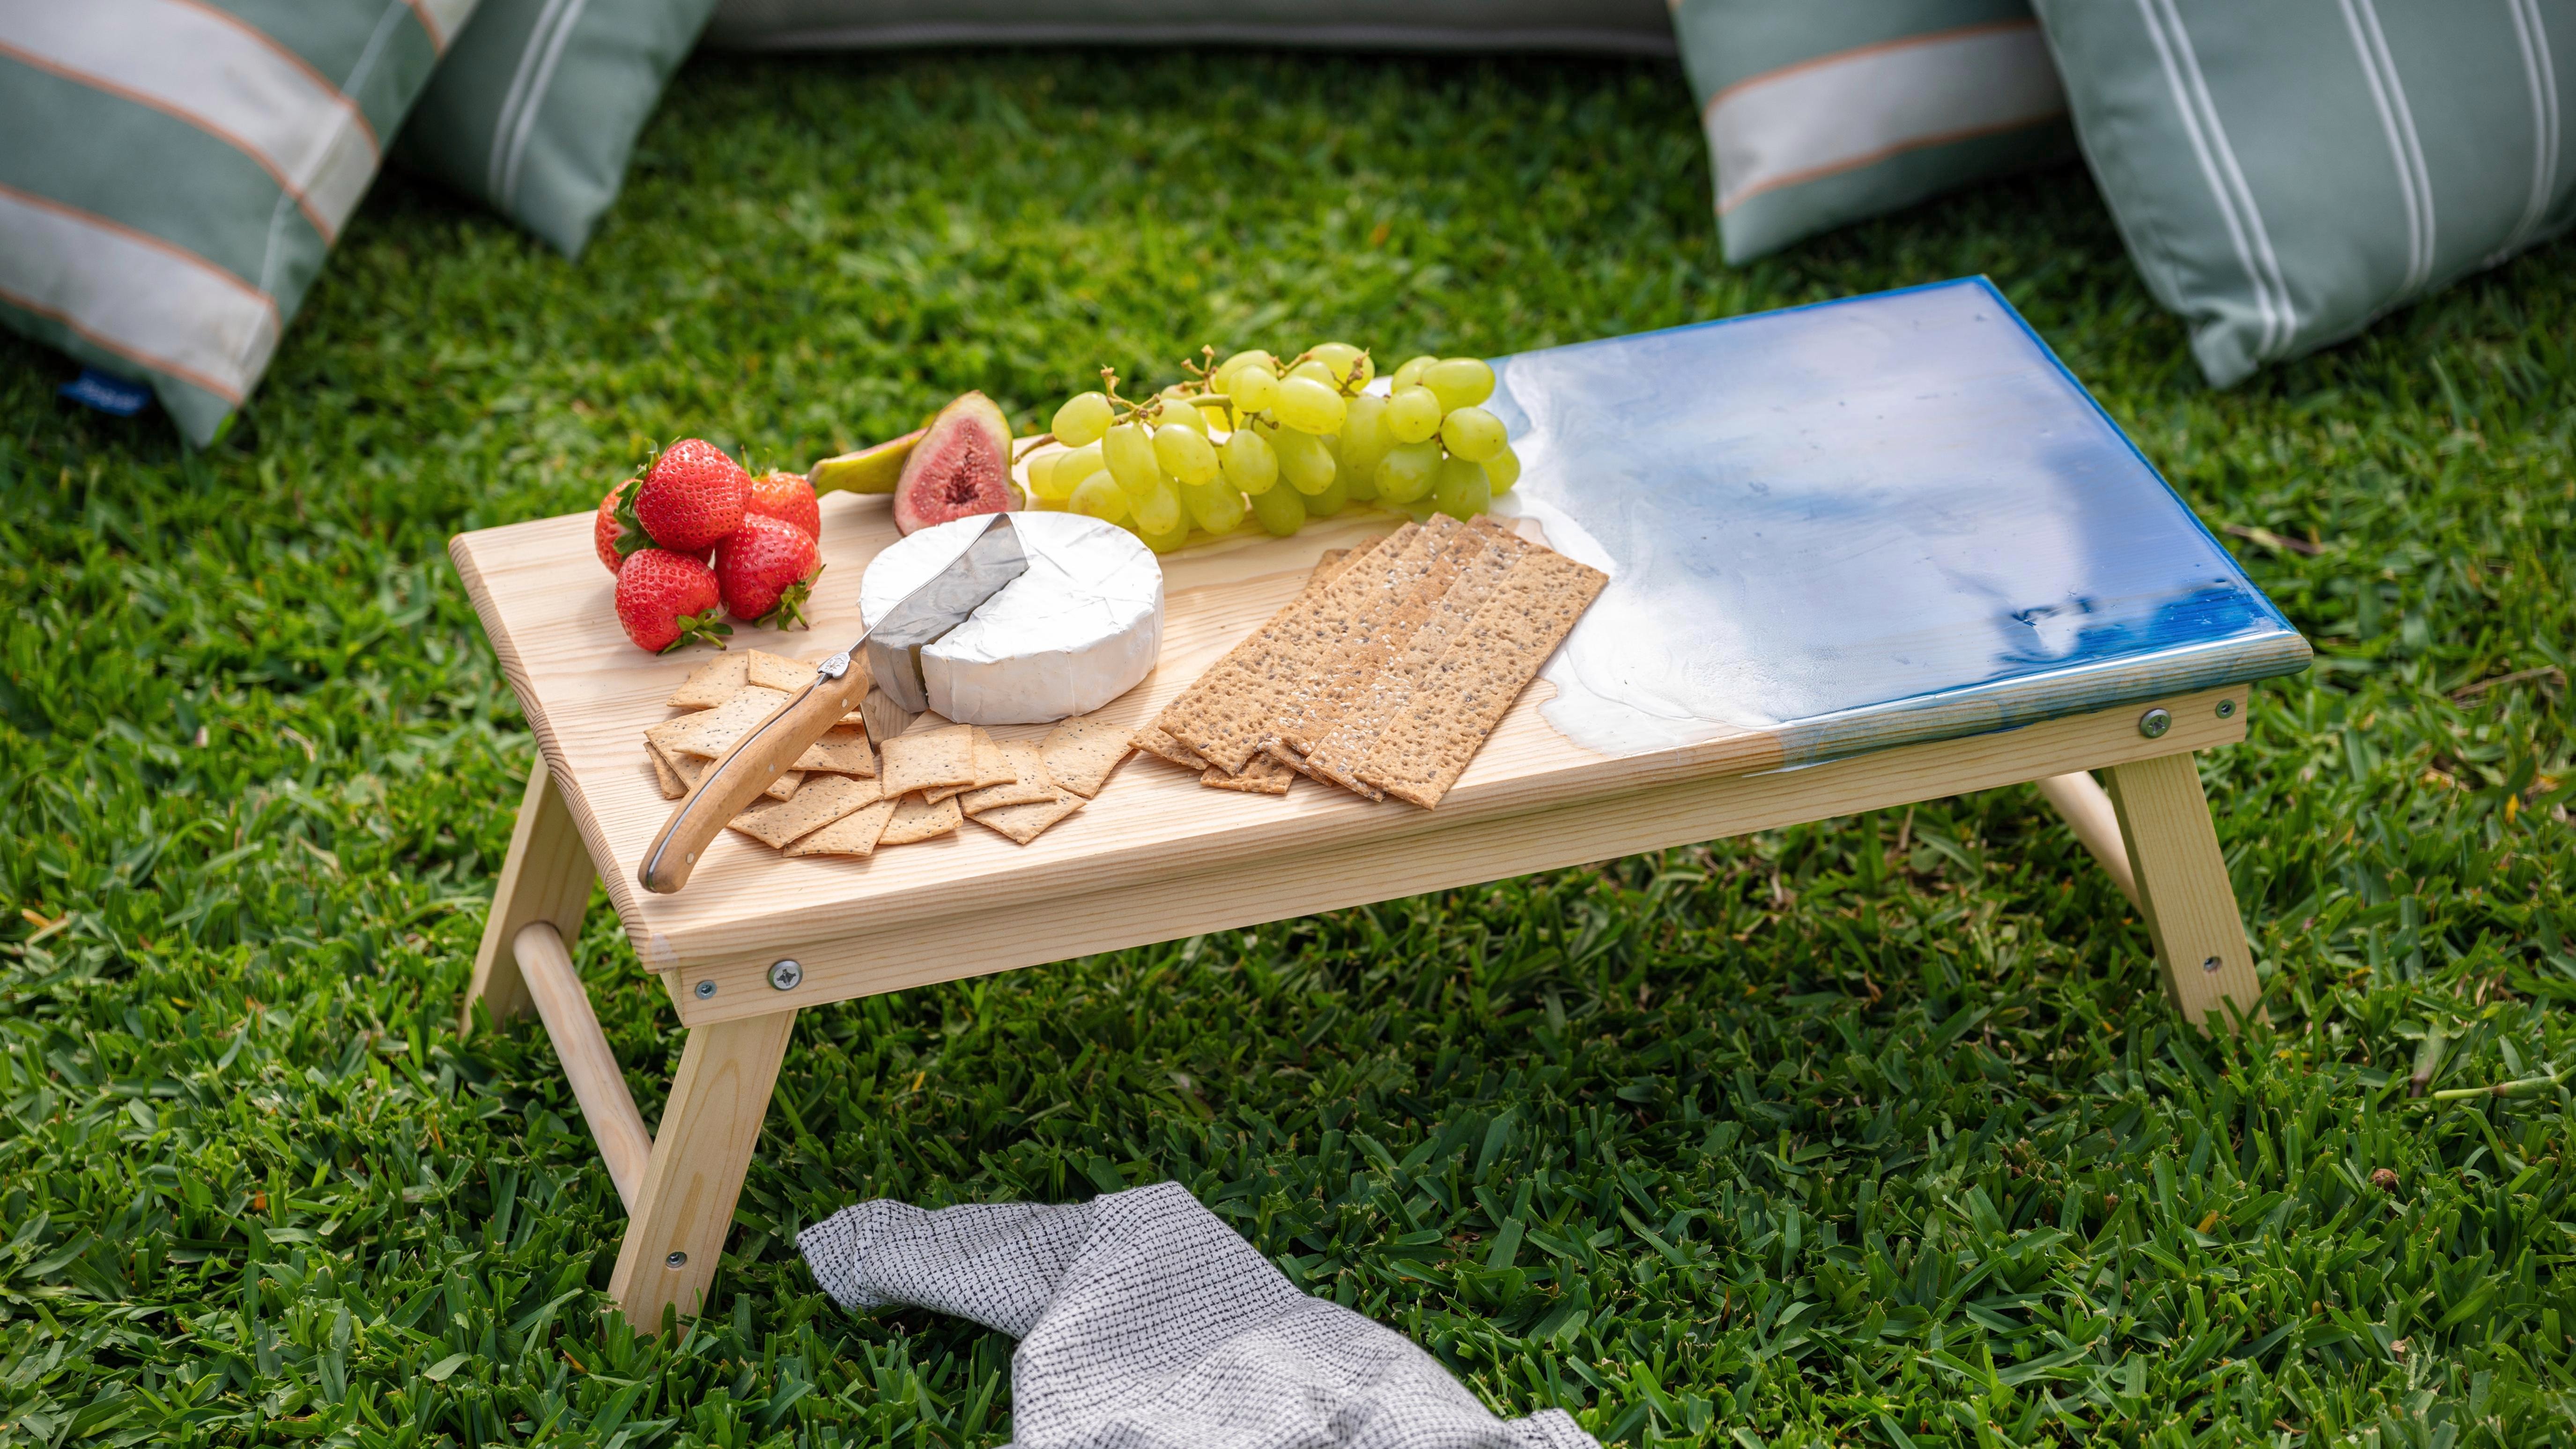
(545, 877)
(700, 1154)
(2183, 889)
(2088, 811)
(597, 1081)
(589, 695)
(1438, 852)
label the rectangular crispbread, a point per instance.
(992, 767)
(1421, 749)
(1024, 823)
(853, 834)
(773, 671)
(1261, 775)
(687, 768)
(915, 819)
(712, 683)
(1380, 629)
(843, 750)
(710, 732)
(668, 783)
(1083, 752)
(1161, 746)
(927, 759)
(777, 823)
(1355, 729)
(1233, 708)
(1028, 785)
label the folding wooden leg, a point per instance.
(2183, 889)
(700, 1152)
(546, 877)
(2090, 814)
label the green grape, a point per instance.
(1459, 382)
(1220, 379)
(1184, 454)
(1410, 374)
(1049, 505)
(1405, 473)
(1166, 541)
(1130, 455)
(1364, 442)
(1214, 506)
(1252, 386)
(1304, 461)
(1461, 490)
(1071, 467)
(1160, 510)
(1040, 469)
(1419, 510)
(1346, 366)
(1099, 496)
(1335, 497)
(1308, 406)
(1316, 370)
(1179, 411)
(1281, 510)
(1082, 419)
(1473, 434)
(1412, 414)
(1503, 470)
(1250, 463)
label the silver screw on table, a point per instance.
(785, 974)
(2154, 723)
(2227, 709)
(706, 989)
(676, 1260)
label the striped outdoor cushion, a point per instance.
(2286, 172)
(175, 170)
(1822, 112)
(537, 108)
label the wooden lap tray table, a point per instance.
(1862, 554)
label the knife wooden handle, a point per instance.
(741, 776)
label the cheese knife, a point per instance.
(891, 648)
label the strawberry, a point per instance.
(788, 498)
(765, 570)
(688, 498)
(612, 537)
(668, 599)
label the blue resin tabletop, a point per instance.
(1860, 524)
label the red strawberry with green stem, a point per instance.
(611, 537)
(766, 570)
(667, 599)
(787, 497)
(686, 500)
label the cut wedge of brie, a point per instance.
(1079, 629)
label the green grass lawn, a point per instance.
(1873, 1131)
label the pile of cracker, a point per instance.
(882, 776)
(1387, 673)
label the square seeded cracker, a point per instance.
(1161, 746)
(915, 820)
(1029, 783)
(712, 683)
(1083, 752)
(687, 769)
(776, 671)
(710, 732)
(777, 823)
(1262, 775)
(1024, 823)
(853, 834)
(927, 759)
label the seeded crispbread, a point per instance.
(777, 823)
(1028, 785)
(853, 834)
(776, 671)
(669, 783)
(1024, 823)
(927, 759)
(1261, 775)
(1083, 752)
(1161, 746)
(1423, 748)
(712, 683)
(1235, 707)
(914, 820)
(687, 768)
(1381, 627)
(843, 750)
(710, 732)
(1365, 714)
(992, 767)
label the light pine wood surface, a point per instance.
(597, 1082)
(2183, 888)
(545, 877)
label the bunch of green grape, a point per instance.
(1208, 452)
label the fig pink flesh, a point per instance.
(961, 466)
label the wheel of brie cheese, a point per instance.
(1079, 629)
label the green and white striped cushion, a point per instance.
(1822, 112)
(537, 108)
(2286, 172)
(175, 171)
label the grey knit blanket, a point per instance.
(1146, 1323)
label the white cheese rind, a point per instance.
(1080, 628)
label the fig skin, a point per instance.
(959, 468)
